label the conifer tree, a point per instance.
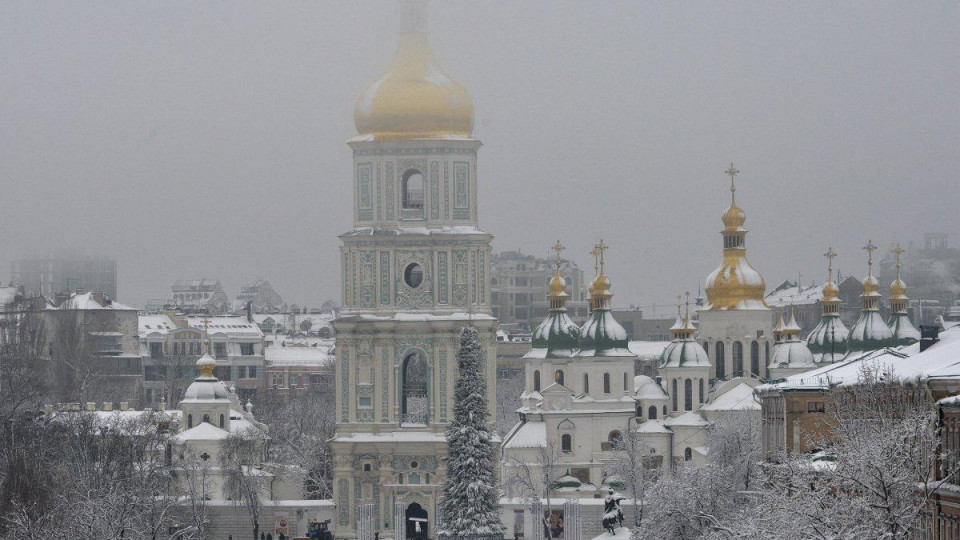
(470, 504)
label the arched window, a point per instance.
(206, 418)
(614, 438)
(652, 413)
(755, 359)
(664, 410)
(687, 454)
(536, 380)
(586, 383)
(221, 420)
(189, 421)
(415, 405)
(566, 442)
(412, 190)
(624, 381)
(706, 348)
(719, 360)
(766, 352)
(701, 392)
(688, 395)
(737, 359)
(674, 394)
(558, 376)
(606, 383)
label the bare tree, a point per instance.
(534, 480)
(242, 460)
(632, 465)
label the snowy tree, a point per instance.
(534, 480)
(632, 467)
(241, 457)
(470, 497)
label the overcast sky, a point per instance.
(208, 138)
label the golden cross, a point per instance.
(687, 316)
(870, 248)
(678, 305)
(596, 259)
(558, 248)
(830, 254)
(732, 172)
(898, 251)
(601, 249)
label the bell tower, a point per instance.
(415, 270)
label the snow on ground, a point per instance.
(623, 533)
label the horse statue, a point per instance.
(612, 514)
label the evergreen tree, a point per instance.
(470, 504)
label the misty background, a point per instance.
(190, 139)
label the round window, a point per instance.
(413, 275)
(413, 464)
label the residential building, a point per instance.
(261, 297)
(299, 365)
(518, 286)
(48, 276)
(198, 295)
(92, 342)
(171, 342)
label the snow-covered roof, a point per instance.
(527, 435)
(648, 350)
(905, 363)
(645, 387)
(154, 323)
(651, 426)
(237, 327)
(87, 301)
(687, 419)
(738, 398)
(297, 356)
(790, 294)
(204, 431)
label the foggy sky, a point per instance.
(208, 138)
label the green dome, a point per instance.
(904, 333)
(868, 334)
(602, 335)
(828, 341)
(558, 335)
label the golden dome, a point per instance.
(734, 218)
(415, 99)
(601, 285)
(558, 287)
(898, 289)
(830, 291)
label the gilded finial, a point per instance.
(601, 250)
(686, 316)
(732, 172)
(870, 248)
(557, 248)
(830, 254)
(898, 251)
(596, 260)
(206, 336)
(678, 306)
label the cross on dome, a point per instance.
(870, 248)
(557, 248)
(732, 172)
(898, 251)
(830, 254)
(601, 248)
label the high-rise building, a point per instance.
(416, 270)
(48, 276)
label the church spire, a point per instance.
(870, 331)
(557, 335)
(735, 284)
(904, 333)
(602, 335)
(828, 341)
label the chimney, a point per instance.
(60, 297)
(99, 298)
(928, 336)
(108, 405)
(124, 406)
(249, 311)
(91, 406)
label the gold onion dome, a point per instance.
(735, 284)
(557, 336)
(415, 99)
(558, 287)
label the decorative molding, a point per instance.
(408, 297)
(385, 383)
(413, 151)
(344, 504)
(400, 463)
(460, 278)
(385, 278)
(442, 363)
(446, 190)
(461, 185)
(434, 190)
(442, 284)
(344, 355)
(391, 191)
(368, 287)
